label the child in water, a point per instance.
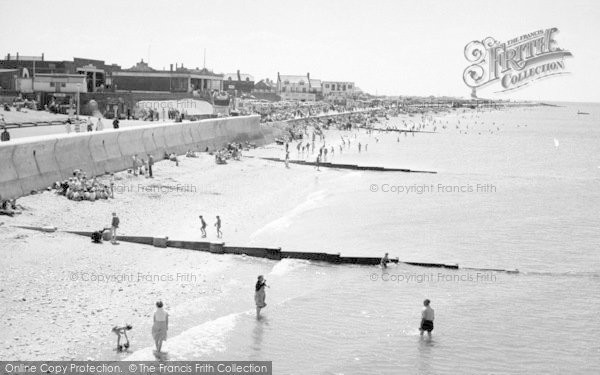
(259, 295)
(122, 331)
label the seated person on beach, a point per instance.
(122, 331)
(97, 236)
(190, 154)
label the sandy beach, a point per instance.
(56, 300)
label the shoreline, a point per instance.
(39, 265)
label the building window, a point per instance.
(229, 78)
(344, 87)
(247, 79)
(304, 89)
(63, 85)
(301, 83)
(327, 85)
(51, 84)
(349, 87)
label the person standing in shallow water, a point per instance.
(427, 317)
(160, 326)
(259, 295)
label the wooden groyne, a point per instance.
(348, 166)
(264, 252)
(261, 252)
(398, 130)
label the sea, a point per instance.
(514, 190)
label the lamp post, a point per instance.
(78, 99)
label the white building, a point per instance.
(56, 82)
(295, 87)
(338, 88)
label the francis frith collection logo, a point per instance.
(515, 63)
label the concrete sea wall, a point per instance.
(34, 163)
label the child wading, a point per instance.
(259, 295)
(122, 332)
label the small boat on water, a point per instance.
(582, 113)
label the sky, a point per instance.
(392, 47)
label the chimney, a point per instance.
(175, 66)
(17, 56)
(308, 76)
(42, 56)
(239, 75)
(171, 67)
(278, 77)
(8, 56)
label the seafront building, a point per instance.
(142, 78)
(116, 90)
(113, 88)
(238, 83)
(338, 88)
(295, 87)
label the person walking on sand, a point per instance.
(287, 159)
(318, 162)
(160, 326)
(135, 164)
(203, 226)
(113, 228)
(150, 164)
(218, 225)
(259, 295)
(427, 317)
(5, 136)
(112, 185)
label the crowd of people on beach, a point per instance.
(285, 110)
(79, 187)
(232, 151)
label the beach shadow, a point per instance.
(162, 356)
(426, 342)
(258, 334)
